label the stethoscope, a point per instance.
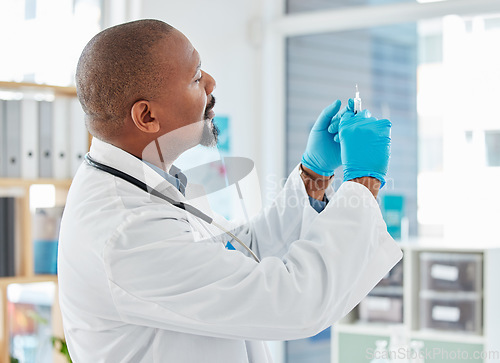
(186, 207)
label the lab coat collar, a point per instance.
(117, 158)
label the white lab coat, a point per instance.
(142, 281)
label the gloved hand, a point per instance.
(365, 144)
(334, 126)
(322, 153)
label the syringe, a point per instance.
(357, 102)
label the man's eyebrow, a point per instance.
(197, 69)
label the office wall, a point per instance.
(221, 32)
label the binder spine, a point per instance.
(45, 139)
(10, 236)
(3, 238)
(12, 122)
(60, 145)
(29, 139)
(79, 136)
(3, 150)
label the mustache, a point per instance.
(210, 105)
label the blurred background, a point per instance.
(431, 67)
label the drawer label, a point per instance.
(446, 313)
(444, 272)
(378, 303)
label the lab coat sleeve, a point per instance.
(271, 232)
(161, 274)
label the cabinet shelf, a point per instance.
(458, 337)
(18, 182)
(27, 279)
(381, 329)
(23, 86)
(19, 188)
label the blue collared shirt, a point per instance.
(174, 177)
(318, 205)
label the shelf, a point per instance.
(27, 279)
(448, 336)
(387, 290)
(58, 90)
(20, 189)
(17, 182)
(444, 245)
(386, 330)
(381, 329)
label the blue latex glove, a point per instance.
(322, 153)
(334, 126)
(365, 144)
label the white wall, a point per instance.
(220, 31)
(240, 49)
(227, 34)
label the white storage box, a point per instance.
(451, 311)
(451, 271)
(381, 309)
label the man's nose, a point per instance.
(210, 83)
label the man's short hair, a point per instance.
(117, 68)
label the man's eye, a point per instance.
(199, 79)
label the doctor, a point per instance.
(144, 281)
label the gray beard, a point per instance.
(210, 134)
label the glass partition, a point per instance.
(299, 6)
(437, 81)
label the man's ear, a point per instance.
(143, 117)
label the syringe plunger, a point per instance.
(357, 101)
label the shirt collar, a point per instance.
(117, 158)
(174, 176)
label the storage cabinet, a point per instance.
(450, 299)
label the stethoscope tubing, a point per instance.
(181, 205)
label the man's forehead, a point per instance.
(177, 51)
